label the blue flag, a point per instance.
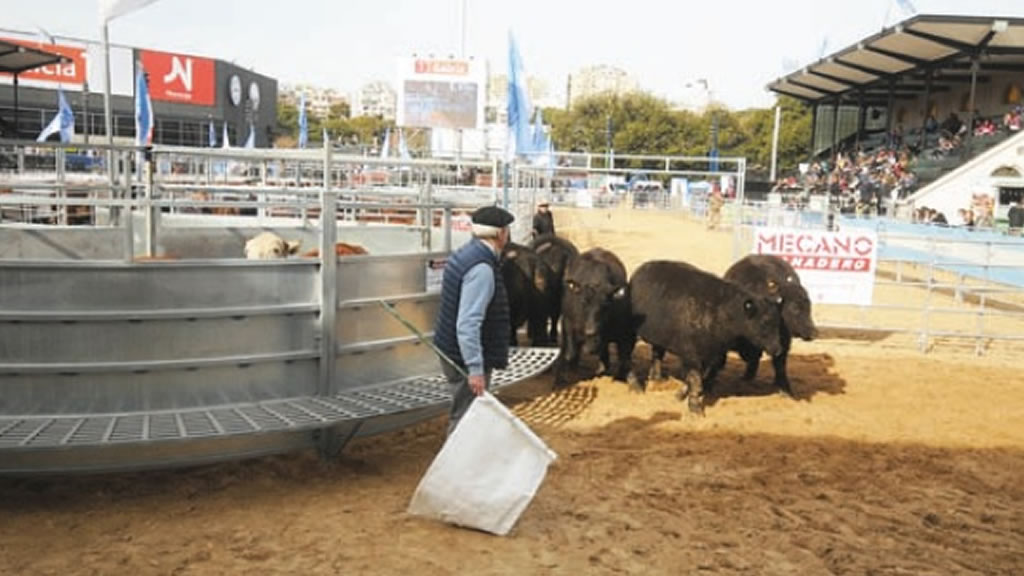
(539, 146)
(225, 142)
(386, 145)
(907, 6)
(213, 136)
(143, 110)
(250, 142)
(519, 108)
(63, 122)
(403, 150)
(303, 123)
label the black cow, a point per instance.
(697, 316)
(772, 277)
(557, 253)
(529, 283)
(596, 313)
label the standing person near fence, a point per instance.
(1015, 218)
(543, 220)
(472, 325)
(715, 203)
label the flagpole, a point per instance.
(108, 118)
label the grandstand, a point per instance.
(926, 113)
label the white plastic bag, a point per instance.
(486, 473)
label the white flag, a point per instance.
(110, 9)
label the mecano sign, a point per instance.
(835, 267)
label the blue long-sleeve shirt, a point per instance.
(477, 291)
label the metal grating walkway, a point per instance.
(291, 414)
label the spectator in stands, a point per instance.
(984, 127)
(952, 125)
(931, 124)
(896, 137)
(969, 218)
(543, 220)
(472, 324)
(1015, 217)
(938, 218)
(1012, 119)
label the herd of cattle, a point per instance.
(758, 306)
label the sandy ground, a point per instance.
(889, 461)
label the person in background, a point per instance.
(1015, 217)
(472, 324)
(715, 203)
(543, 220)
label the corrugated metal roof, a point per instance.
(923, 43)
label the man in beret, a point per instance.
(543, 221)
(472, 325)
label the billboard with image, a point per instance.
(441, 93)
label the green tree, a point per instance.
(340, 110)
(644, 124)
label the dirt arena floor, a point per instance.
(889, 461)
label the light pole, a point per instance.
(608, 138)
(713, 153)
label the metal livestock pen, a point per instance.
(109, 362)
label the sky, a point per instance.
(738, 46)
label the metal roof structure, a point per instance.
(15, 58)
(925, 53)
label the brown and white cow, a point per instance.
(270, 246)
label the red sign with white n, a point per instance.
(179, 77)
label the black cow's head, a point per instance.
(590, 290)
(796, 312)
(761, 321)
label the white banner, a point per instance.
(435, 274)
(834, 267)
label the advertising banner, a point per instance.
(179, 78)
(834, 267)
(441, 93)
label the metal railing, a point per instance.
(930, 284)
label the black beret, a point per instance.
(493, 216)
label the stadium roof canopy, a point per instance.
(15, 58)
(923, 53)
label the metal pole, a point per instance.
(150, 240)
(85, 111)
(328, 441)
(890, 116)
(775, 143)
(62, 210)
(328, 280)
(974, 82)
(447, 223)
(861, 112)
(127, 212)
(814, 128)
(504, 185)
(17, 131)
(835, 131)
(108, 117)
(462, 46)
(927, 97)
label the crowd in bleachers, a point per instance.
(858, 179)
(883, 168)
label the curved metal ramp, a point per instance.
(38, 444)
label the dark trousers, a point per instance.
(462, 396)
